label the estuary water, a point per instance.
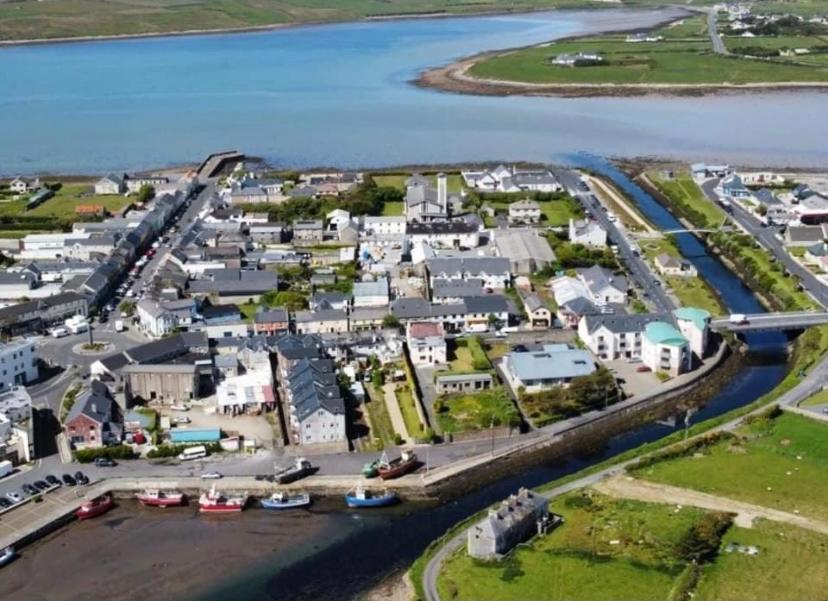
(341, 95)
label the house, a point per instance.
(329, 300)
(18, 364)
(526, 250)
(577, 59)
(705, 171)
(135, 182)
(426, 343)
(484, 312)
(371, 294)
(495, 272)
(450, 383)
(454, 291)
(444, 234)
(22, 185)
(603, 287)
(34, 315)
(524, 211)
(811, 209)
(539, 314)
(694, 325)
(732, 187)
(153, 319)
(110, 184)
(266, 233)
(308, 231)
(587, 232)
(384, 225)
(665, 349)
(571, 312)
(95, 419)
(17, 435)
(515, 520)
(17, 284)
(320, 322)
(234, 285)
(612, 337)
(803, 235)
(165, 382)
(554, 365)
(270, 322)
(511, 179)
(669, 265)
(314, 403)
(424, 202)
(336, 218)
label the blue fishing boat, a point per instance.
(283, 500)
(359, 497)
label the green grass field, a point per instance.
(381, 427)
(684, 57)
(682, 190)
(393, 209)
(461, 412)
(606, 550)
(397, 180)
(781, 463)
(62, 204)
(792, 565)
(413, 423)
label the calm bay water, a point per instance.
(340, 95)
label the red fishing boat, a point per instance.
(94, 507)
(213, 501)
(395, 468)
(160, 498)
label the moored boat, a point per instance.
(359, 497)
(395, 468)
(283, 500)
(94, 507)
(160, 498)
(301, 468)
(371, 469)
(7, 555)
(213, 501)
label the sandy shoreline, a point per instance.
(455, 78)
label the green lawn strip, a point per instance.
(475, 411)
(780, 463)
(382, 428)
(684, 192)
(393, 209)
(413, 424)
(248, 311)
(820, 398)
(792, 565)
(606, 549)
(397, 180)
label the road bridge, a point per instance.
(756, 322)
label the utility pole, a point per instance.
(491, 429)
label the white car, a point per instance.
(14, 497)
(211, 476)
(179, 407)
(182, 419)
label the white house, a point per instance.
(669, 265)
(694, 325)
(524, 211)
(665, 349)
(426, 343)
(612, 337)
(495, 272)
(18, 364)
(587, 232)
(511, 179)
(371, 294)
(110, 184)
(384, 225)
(603, 286)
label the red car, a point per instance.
(643, 369)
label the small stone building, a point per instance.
(515, 520)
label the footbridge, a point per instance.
(757, 322)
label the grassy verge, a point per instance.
(415, 427)
(476, 411)
(382, 428)
(686, 196)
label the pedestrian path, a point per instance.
(394, 411)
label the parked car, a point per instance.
(179, 407)
(104, 462)
(68, 480)
(181, 419)
(53, 480)
(642, 369)
(5, 503)
(41, 485)
(81, 478)
(211, 476)
(519, 348)
(14, 496)
(29, 489)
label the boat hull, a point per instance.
(94, 511)
(268, 504)
(165, 502)
(218, 509)
(395, 471)
(383, 501)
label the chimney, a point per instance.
(442, 191)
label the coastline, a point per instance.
(293, 24)
(455, 78)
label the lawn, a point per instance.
(780, 463)
(477, 411)
(397, 180)
(605, 550)
(406, 401)
(248, 310)
(460, 359)
(556, 213)
(792, 565)
(381, 427)
(682, 190)
(682, 60)
(393, 209)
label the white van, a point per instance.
(59, 332)
(191, 453)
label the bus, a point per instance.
(191, 453)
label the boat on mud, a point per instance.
(94, 507)
(359, 497)
(7, 555)
(213, 501)
(284, 500)
(400, 466)
(160, 498)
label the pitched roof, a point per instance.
(620, 323)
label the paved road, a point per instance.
(649, 286)
(812, 382)
(713, 32)
(767, 237)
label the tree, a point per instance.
(127, 307)
(146, 193)
(290, 300)
(390, 321)
(700, 543)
